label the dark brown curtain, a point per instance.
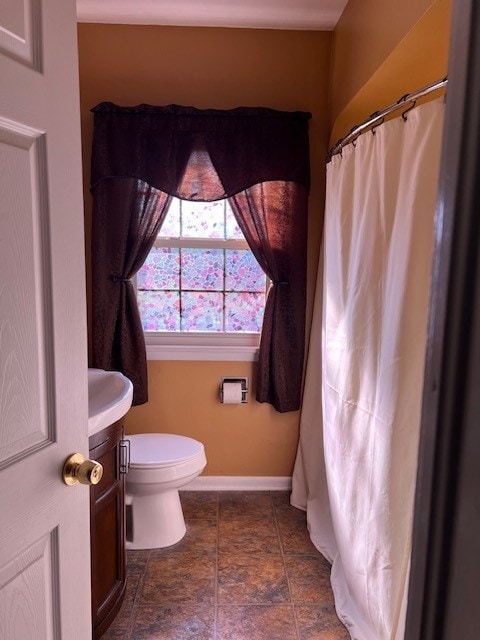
(259, 159)
(127, 215)
(272, 218)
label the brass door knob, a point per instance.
(77, 469)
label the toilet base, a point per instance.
(155, 520)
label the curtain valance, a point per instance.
(246, 146)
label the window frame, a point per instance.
(202, 345)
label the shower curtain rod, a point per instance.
(380, 115)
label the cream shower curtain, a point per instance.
(356, 462)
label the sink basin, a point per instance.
(109, 398)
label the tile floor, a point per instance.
(246, 570)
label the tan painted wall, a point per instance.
(383, 49)
(217, 68)
(249, 439)
(365, 35)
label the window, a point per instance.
(200, 283)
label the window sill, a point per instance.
(232, 354)
(202, 347)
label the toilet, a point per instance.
(160, 464)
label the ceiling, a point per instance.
(317, 15)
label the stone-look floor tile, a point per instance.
(199, 504)
(238, 504)
(284, 510)
(179, 578)
(201, 538)
(281, 499)
(171, 592)
(294, 537)
(309, 579)
(123, 617)
(264, 622)
(174, 622)
(319, 623)
(115, 634)
(246, 535)
(252, 580)
(137, 560)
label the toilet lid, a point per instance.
(159, 449)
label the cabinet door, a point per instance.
(107, 530)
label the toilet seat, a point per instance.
(159, 458)
(159, 450)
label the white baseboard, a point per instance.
(240, 483)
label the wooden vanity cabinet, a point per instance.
(107, 518)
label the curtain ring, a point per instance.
(374, 129)
(404, 114)
(279, 282)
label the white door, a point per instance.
(44, 524)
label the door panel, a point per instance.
(20, 36)
(31, 612)
(27, 378)
(44, 524)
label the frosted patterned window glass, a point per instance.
(242, 271)
(171, 225)
(232, 228)
(244, 311)
(202, 311)
(161, 270)
(203, 219)
(202, 269)
(192, 282)
(159, 310)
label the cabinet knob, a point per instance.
(77, 469)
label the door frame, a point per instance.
(445, 565)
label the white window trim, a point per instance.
(233, 347)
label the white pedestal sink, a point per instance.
(109, 398)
